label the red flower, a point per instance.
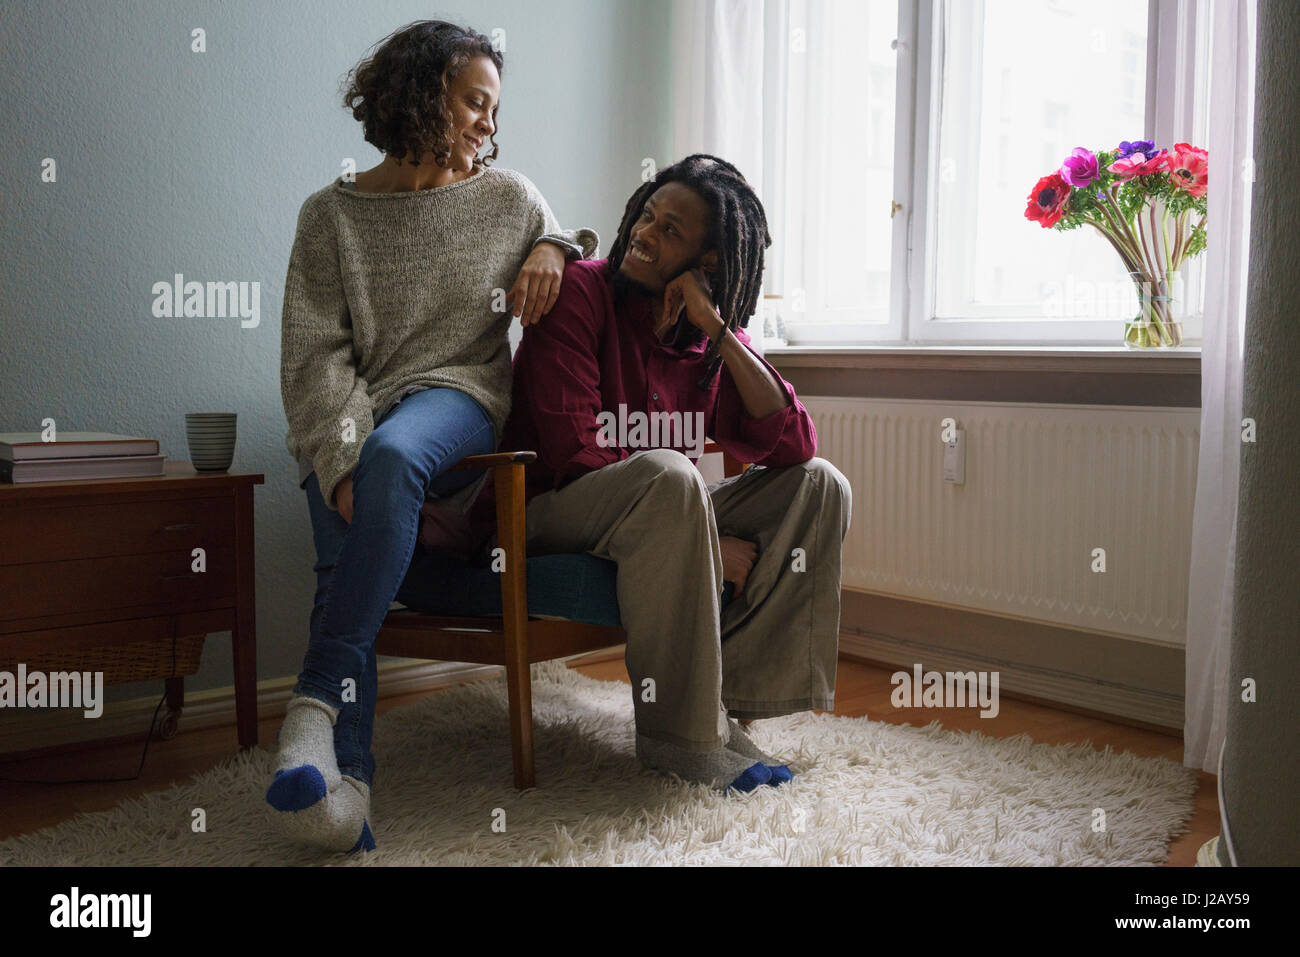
(1188, 168)
(1047, 201)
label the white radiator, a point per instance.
(1045, 485)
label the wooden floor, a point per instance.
(860, 689)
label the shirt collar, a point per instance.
(636, 311)
(687, 340)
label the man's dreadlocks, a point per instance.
(738, 233)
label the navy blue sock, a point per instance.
(296, 789)
(339, 822)
(781, 774)
(741, 743)
(754, 776)
(721, 768)
(366, 842)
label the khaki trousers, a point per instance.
(774, 651)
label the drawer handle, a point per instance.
(176, 578)
(179, 527)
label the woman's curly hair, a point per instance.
(399, 92)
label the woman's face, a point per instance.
(473, 96)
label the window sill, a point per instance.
(1085, 375)
(980, 350)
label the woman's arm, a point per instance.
(538, 283)
(325, 398)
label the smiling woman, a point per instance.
(404, 115)
(395, 364)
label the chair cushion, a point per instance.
(575, 587)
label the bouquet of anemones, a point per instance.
(1149, 204)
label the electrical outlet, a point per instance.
(954, 458)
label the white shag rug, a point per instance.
(865, 792)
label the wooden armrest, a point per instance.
(512, 536)
(730, 465)
(523, 458)
(495, 458)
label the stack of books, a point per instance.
(24, 457)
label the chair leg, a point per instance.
(520, 690)
(511, 518)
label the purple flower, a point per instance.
(1127, 149)
(1079, 168)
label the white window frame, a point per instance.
(811, 329)
(1174, 86)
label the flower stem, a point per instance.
(1148, 240)
(1164, 231)
(1110, 208)
(1160, 303)
(1130, 264)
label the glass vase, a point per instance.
(1155, 326)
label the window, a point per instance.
(839, 162)
(915, 130)
(1009, 57)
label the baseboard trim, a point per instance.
(613, 653)
(1086, 672)
(1078, 692)
(24, 733)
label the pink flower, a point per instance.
(1079, 168)
(1139, 164)
(1189, 168)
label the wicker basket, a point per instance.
(123, 663)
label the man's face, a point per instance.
(668, 239)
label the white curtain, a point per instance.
(718, 82)
(728, 68)
(1214, 523)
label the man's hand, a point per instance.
(738, 557)
(343, 495)
(692, 289)
(538, 284)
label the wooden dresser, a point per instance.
(103, 570)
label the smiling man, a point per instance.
(637, 338)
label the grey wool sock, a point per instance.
(722, 768)
(742, 743)
(337, 822)
(307, 739)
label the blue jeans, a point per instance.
(362, 566)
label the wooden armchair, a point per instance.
(512, 638)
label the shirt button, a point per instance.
(655, 396)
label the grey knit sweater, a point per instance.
(390, 293)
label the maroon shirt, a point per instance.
(586, 357)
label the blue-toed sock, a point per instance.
(306, 767)
(338, 822)
(721, 768)
(744, 745)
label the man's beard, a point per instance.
(683, 334)
(625, 286)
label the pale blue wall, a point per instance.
(172, 161)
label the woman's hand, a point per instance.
(343, 495)
(538, 284)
